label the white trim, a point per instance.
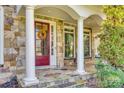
(68, 27)
(1, 35)
(74, 24)
(52, 64)
(53, 57)
(45, 67)
(48, 16)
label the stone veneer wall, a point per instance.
(21, 38)
(15, 41)
(11, 26)
(60, 44)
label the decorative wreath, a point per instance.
(42, 34)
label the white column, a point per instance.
(30, 47)
(80, 48)
(1, 35)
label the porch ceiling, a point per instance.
(94, 22)
(55, 13)
(70, 13)
(88, 10)
(64, 8)
(75, 10)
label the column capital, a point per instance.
(81, 18)
(29, 7)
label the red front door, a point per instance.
(42, 45)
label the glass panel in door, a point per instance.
(42, 43)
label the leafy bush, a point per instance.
(112, 39)
(108, 76)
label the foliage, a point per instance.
(112, 39)
(108, 76)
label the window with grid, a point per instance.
(69, 43)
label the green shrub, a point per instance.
(112, 39)
(108, 76)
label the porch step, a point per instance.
(70, 84)
(74, 81)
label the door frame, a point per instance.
(53, 63)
